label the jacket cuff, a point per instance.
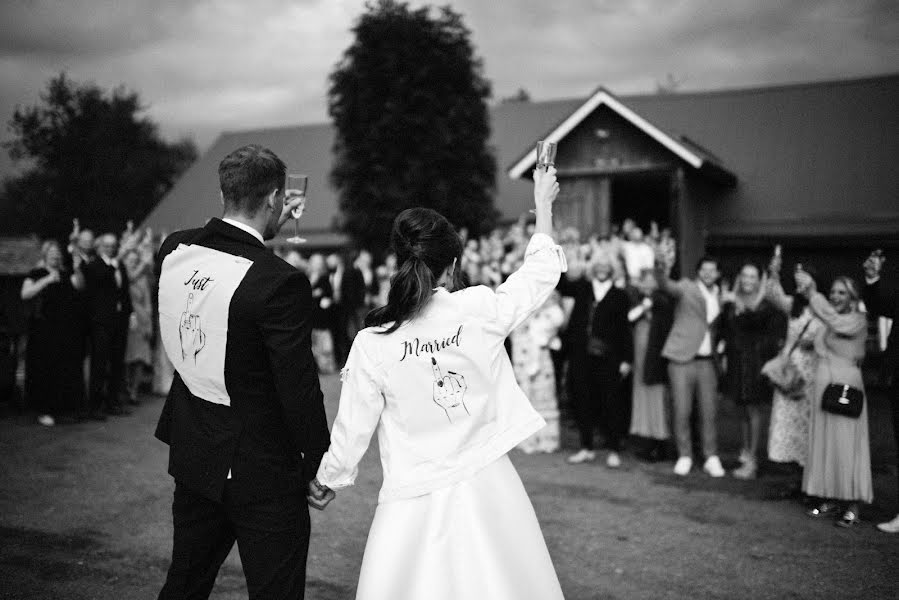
(542, 242)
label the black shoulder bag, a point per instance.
(842, 399)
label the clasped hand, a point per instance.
(319, 496)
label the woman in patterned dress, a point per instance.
(534, 372)
(788, 433)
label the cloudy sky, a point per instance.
(204, 66)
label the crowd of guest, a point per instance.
(90, 325)
(623, 348)
(641, 357)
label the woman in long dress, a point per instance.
(788, 431)
(432, 375)
(651, 319)
(839, 461)
(53, 376)
(534, 372)
(139, 350)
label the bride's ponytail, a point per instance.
(425, 244)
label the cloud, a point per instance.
(213, 65)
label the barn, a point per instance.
(810, 166)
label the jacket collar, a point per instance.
(216, 225)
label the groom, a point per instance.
(244, 420)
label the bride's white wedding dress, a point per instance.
(453, 520)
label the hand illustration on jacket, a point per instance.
(449, 391)
(190, 332)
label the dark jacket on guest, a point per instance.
(609, 323)
(352, 289)
(106, 300)
(655, 366)
(322, 318)
(881, 303)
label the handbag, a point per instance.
(842, 399)
(783, 374)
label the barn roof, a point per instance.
(801, 154)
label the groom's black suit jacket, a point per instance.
(274, 434)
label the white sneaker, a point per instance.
(890, 526)
(582, 456)
(46, 420)
(683, 465)
(613, 461)
(745, 456)
(713, 466)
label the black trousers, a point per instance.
(598, 395)
(272, 537)
(107, 342)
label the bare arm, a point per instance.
(31, 287)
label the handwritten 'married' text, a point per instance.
(415, 346)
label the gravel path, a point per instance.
(85, 513)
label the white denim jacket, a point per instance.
(440, 389)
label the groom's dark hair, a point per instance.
(247, 175)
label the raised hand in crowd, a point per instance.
(805, 283)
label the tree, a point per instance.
(89, 154)
(408, 101)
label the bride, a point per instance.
(431, 374)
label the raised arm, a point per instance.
(528, 288)
(361, 404)
(775, 294)
(665, 283)
(848, 325)
(286, 326)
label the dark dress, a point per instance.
(53, 375)
(752, 338)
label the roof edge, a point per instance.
(601, 96)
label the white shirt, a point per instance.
(440, 390)
(637, 257)
(712, 310)
(245, 227)
(601, 288)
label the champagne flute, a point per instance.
(296, 186)
(546, 157)
(546, 154)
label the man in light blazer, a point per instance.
(690, 350)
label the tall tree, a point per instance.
(408, 101)
(90, 154)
